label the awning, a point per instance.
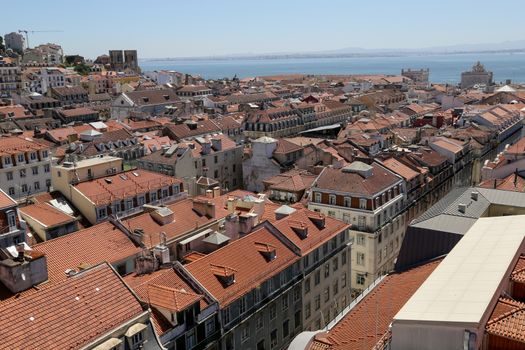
(136, 328)
(194, 237)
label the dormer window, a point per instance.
(226, 275)
(21, 158)
(331, 199)
(317, 197)
(268, 251)
(7, 160)
(299, 227)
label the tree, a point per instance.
(2, 46)
(82, 69)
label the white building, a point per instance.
(15, 41)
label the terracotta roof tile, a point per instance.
(70, 314)
(46, 214)
(242, 259)
(363, 326)
(102, 242)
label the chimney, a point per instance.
(474, 195)
(138, 232)
(462, 208)
(216, 144)
(204, 208)
(162, 216)
(20, 248)
(216, 192)
(209, 194)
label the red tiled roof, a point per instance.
(338, 180)
(242, 258)
(123, 185)
(102, 242)
(363, 326)
(14, 145)
(5, 200)
(46, 214)
(70, 314)
(401, 169)
(508, 320)
(173, 299)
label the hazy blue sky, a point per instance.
(214, 27)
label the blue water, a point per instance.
(443, 68)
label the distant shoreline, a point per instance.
(321, 55)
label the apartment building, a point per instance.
(370, 198)
(13, 228)
(10, 78)
(25, 166)
(213, 156)
(255, 280)
(98, 188)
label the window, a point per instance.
(336, 287)
(21, 158)
(307, 310)
(317, 197)
(24, 188)
(9, 175)
(22, 173)
(317, 302)
(245, 334)
(360, 239)
(286, 328)
(331, 199)
(210, 326)
(360, 279)
(226, 316)
(102, 213)
(285, 302)
(348, 202)
(216, 174)
(343, 258)
(11, 220)
(7, 160)
(273, 339)
(11, 191)
(326, 270)
(317, 277)
(259, 322)
(35, 170)
(306, 261)
(307, 285)
(234, 168)
(48, 183)
(297, 318)
(203, 162)
(37, 185)
(46, 169)
(361, 222)
(215, 159)
(137, 338)
(44, 154)
(360, 258)
(273, 311)
(335, 263)
(191, 339)
(331, 213)
(32, 155)
(343, 280)
(326, 294)
(242, 305)
(316, 255)
(296, 295)
(325, 249)
(362, 203)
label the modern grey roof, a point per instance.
(438, 230)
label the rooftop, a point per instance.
(462, 287)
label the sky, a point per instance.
(173, 28)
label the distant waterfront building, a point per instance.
(417, 75)
(15, 42)
(478, 75)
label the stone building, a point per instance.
(478, 75)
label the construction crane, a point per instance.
(36, 31)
